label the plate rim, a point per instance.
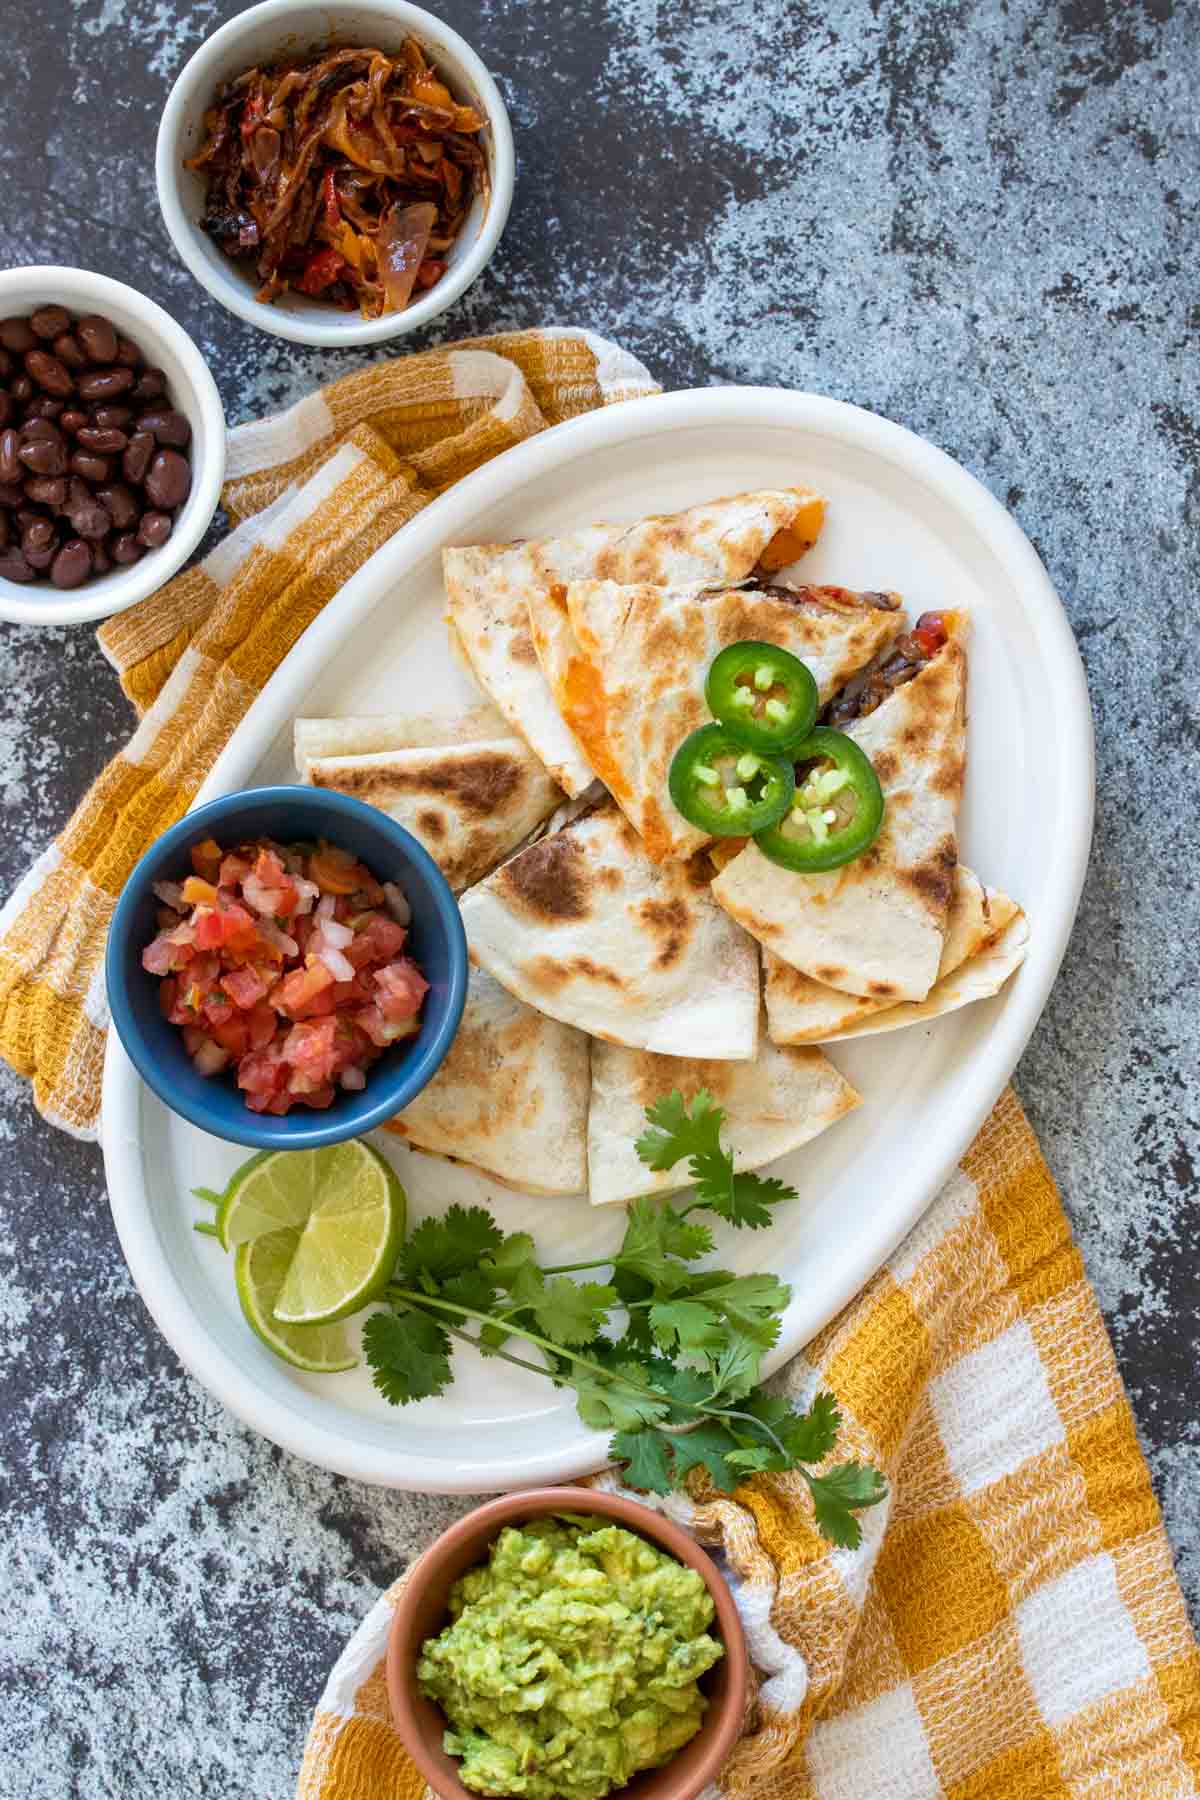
(944, 1142)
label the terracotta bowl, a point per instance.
(422, 1613)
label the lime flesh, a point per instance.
(260, 1268)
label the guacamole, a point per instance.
(571, 1662)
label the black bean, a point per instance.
(98, 337)
(72, 420)
(93, 468)
(46, 490)
(13, 566)
(43, 457)
(44, 408)
(12, 493)
(137, 457)
(167, 425)
(128, 354)
(106, 440)
(72, 565)
(6, 364)
(91, 520)
(49, 373)
(101, 560)
(154, 529)
(112, 418)
(41, 428)
(41, 559)
(150, 385)
(104, 384)
(69, 350)
(48, 321)
(168, 480)
(125, 548)
(120, 504)
(10, 467)
(16, 335)
(37, 534)
(21, 388)
(6, 406)
(5, 529)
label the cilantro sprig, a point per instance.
(664, 1355)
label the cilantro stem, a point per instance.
(518, 1362)
(565, 1351)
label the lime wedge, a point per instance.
(261, 1267)
(346, 1211)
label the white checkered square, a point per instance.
(1078, 1643)
(879, 1749)
(994, 1410)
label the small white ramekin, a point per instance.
(278, 28)
(192, 391)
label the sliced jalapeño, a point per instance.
(726, 790)
(764, 696)
(837, 812)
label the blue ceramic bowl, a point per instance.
(436, 941)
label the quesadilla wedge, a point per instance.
(468, 803)
(979, 953)
(772, 1105)
(586, 928)
(354, 736)
(511, 1096)
(488, 587)
(629, 674)
(876, 926)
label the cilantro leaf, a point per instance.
(656, 1241)
(756, 1460)
(743, 1199)
(735, 1370)
(838, 1495)
(440, 1248)
(674, 1132)
(573, 1312)
(810, 1436)
(409, 1355)
(648, 1459)
(514, 1253)
(707, 1447)
(472, 1288)
(687, 1325)
(606, 1403)
(527, 1286)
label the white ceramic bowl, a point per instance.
(192, 391)
(290, 27)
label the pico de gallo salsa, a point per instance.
(283, 965)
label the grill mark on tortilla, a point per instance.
(887, 766)
(549, 880)
(882, 990)
(947, 777)
(432, 824)
(671, 923)
(548, 974)
(480, 784)
(521, 649)
(932, 880)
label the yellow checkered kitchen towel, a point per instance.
(1011, 1627)
(312, 493)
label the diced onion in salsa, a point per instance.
(283, 965)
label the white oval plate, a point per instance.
(901, 515)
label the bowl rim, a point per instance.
(539, 1502)
(39, 605)
(262, 1131)
(341, 330)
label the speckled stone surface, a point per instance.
(979, 219)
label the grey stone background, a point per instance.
(979, 219)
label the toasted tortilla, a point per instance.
(468, 803)
(511, 1096)
(876, 927)
(803, 1011)
(488, 587)
(772, 1105)
(586, 928)
(628, 675)
(315, 738)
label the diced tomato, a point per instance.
(252, 112)
(232, 1034)
(261, 1024)
(429, 271)
(198, 892)
(163, 955)
(930, 632)
(245, 987)
(321, 271)
(311, 1048)
(299, 989)
(378, 942)
(402, 989)
(234, 870)
(217, 1009)
(206, 859)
